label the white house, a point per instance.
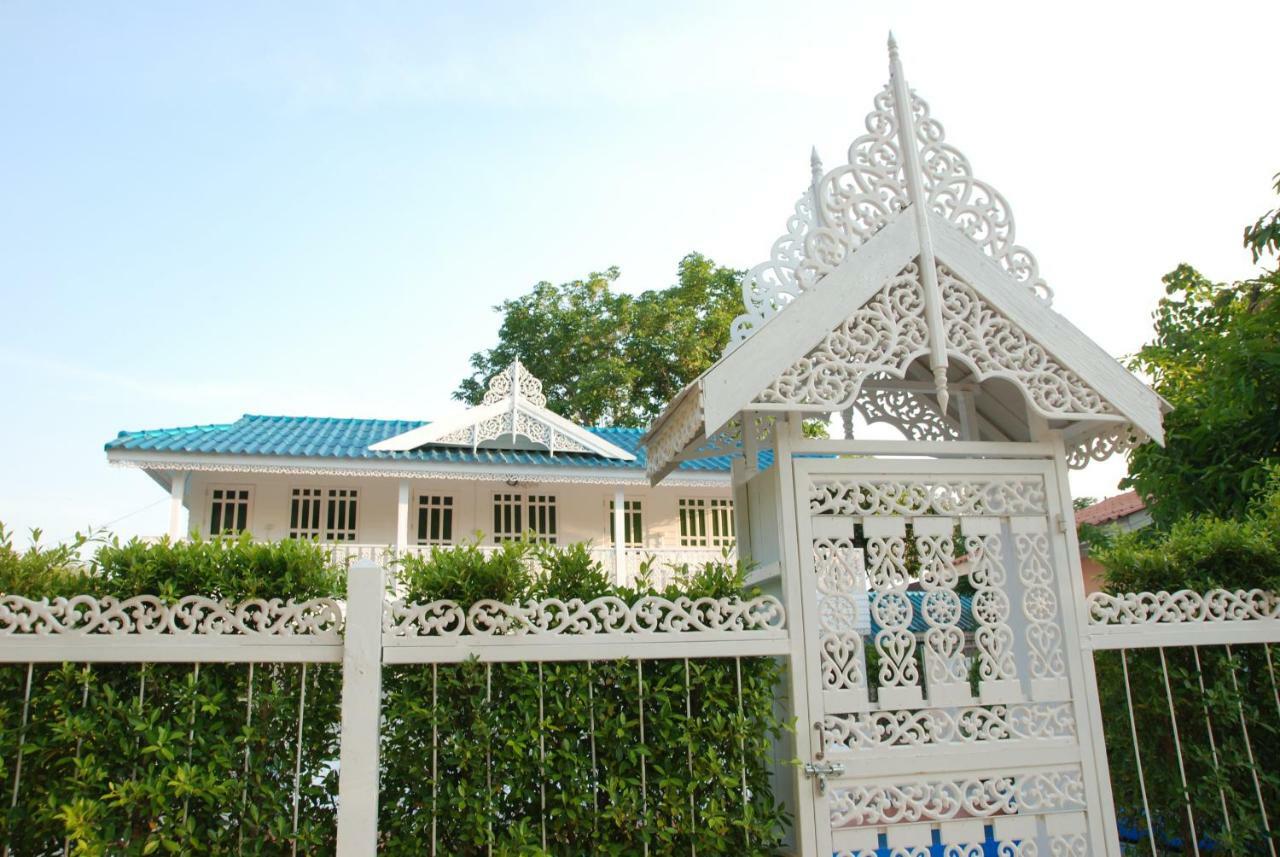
(505, 468)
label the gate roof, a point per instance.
(899, 282)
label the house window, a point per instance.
(340, 515)
(720, 513)
(304, 513)
(516, 514)
(632, 524)
(435, 520)
(229, 510)
(706, 523)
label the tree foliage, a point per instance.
(1216, 358)
(606, 357)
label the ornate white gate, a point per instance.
(985, 691)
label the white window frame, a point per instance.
(706, 522)
(517, 514)
(341, 514)
(306, 503)
(632, 522)
(210, 499)
(441, 507)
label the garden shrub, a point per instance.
(149, 759)
(510, 737)
(1197, 553)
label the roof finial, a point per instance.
(893, 45)
(815, 186)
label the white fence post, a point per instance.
(361, 704)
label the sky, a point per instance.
(312, 208)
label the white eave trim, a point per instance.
(383, 468)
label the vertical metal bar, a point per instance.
(22, 736)
(1248, 746)
(688, 745)
(244, 791)
(1271, 670)
(297, 760)
(488, 752)
(1177, 746)
(84, 704)
(1137, 754)
(742, 754)
(644, 784)
(1213, 744)
(191, 733)
(595, 770)
(542, 758)
(435, 753)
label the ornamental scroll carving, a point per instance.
(874, 496)
(1158, 608)
(949, 726)
(915, 415)
(317, 619)
(842, 209)
(885, 335)
(1101, 446)
(977, 797)
(607, 615)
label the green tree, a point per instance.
(607, 357)
(1216, 358)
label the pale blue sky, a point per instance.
(211, 209)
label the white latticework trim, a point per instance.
(528, 387)
(1157, 608)
(940, 726)
(679, 429)
(849, 204)
(1104, 444)
(874, 496)
(316, 619)
(913, 414)
(976, 797)
(607, 615)
(884, 336)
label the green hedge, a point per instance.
(1198, 553)
(154, 762)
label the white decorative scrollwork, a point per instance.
(943, 639)
(911, 413)
(515, 379)
(837, 564)
(873, 496)
(1156, 608)
(842, 209)
(884, 336)
(888, 577)
(998, 348)
(1101, 446)
(993, 636)
(1069, 845)
(606, 615)
(677, 428)
(938, 726)
(934, 800)
(317, 618)
(1039, 606)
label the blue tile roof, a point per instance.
(918, 623)
(339, 438)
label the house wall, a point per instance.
(582, 511)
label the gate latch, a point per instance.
(822, 770)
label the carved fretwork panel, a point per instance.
(883, 337)
(938, 628)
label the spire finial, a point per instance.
(893, 45)
(815, 163)
(815, 187)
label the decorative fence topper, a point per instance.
(1216, 605)
(607, 615)
(317, 618)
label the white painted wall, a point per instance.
(582, 510)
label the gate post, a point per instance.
(361, 711)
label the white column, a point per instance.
(177, 492)
(619, 537)
(402, 516)
(361, 698)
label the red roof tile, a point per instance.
(1111, 509)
